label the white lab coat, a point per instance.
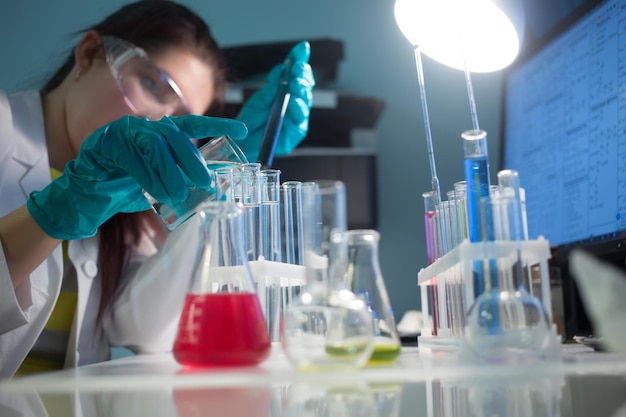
(147, 310)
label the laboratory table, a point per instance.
(421, 383)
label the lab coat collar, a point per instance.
(31, 155)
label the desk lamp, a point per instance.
(484, 35)
(474, 35)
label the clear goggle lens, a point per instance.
(148, 91)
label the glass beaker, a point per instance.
(218, 152)
(222, 323)
(363, 277)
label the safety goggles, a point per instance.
(147, 90)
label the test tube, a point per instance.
(455, 231)
(460, 190)
(292, 221)
(430, 226)
(271, 246)
(443, 228)
(508, 180)
(224, 184)
(293, 244)
(251, 200)
(324, 222)
(270, 215)
(476, 168)
(455, 281)
(432, 251)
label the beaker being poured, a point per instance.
(222, 323)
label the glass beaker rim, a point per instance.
(236, 150)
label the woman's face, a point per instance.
(97, 97)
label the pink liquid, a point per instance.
(223, 329)
(430, 224)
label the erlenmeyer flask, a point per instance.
(363, 277)
(327, 327)
(505, 323)
(222, 323)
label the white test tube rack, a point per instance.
(274, 278)
(454, 270)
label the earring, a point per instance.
(77, 75)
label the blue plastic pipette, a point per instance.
(275, 120)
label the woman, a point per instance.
(121, 280)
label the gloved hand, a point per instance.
(120, 159)
(256, 110)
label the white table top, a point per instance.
(583, 383)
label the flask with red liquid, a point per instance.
(222, 323)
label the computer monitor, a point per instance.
(564, 131)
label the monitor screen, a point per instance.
(564, 129)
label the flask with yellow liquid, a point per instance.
(364, 278)
(327, 327)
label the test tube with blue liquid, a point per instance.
(476, 168)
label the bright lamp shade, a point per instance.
(451, 31)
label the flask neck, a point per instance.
(221, 263)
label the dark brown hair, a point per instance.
(153, 25)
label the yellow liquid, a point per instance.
(384, 354)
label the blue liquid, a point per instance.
(477, 179)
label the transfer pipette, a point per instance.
(275, 120)
(429, 138)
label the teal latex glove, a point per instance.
(117, 162)
(256, 110)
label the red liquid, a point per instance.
(223, 402)
(223, 329)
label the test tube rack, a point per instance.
(277, 284)
(447, 286)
